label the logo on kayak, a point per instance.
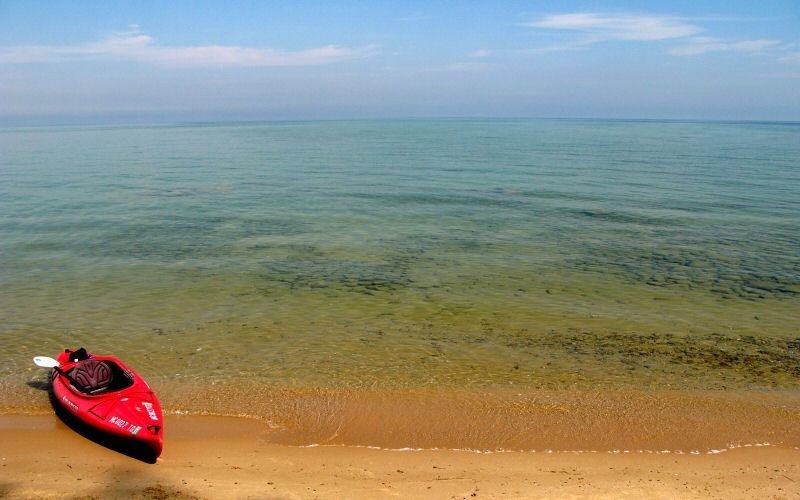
(150, 410)
(124, 424)
(70, 403)
(119, 422)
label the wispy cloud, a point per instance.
(480, 53)
(416, 17)
(791, 53)
(600, 27)
(703, 45)
(790, 58)
(133, 45)
(467, 67)
(595, 27)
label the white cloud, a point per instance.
(136, 46)
(466, 67)
(481, 53)
(790, 58)
(703, 45)
(600, 27)
(416, 17)
(791, 53)
(228, 56)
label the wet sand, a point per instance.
(480, 419)
(217, 457)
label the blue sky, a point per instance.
(180, 60)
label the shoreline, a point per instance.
(223, 457)
(525, 420)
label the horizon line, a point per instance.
(143, 120)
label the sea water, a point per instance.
(403, 255)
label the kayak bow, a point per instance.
(106, 395)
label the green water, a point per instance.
(408, 254)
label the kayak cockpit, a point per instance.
(93, 376)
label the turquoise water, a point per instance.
(384, 254)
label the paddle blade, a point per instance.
(45, 362)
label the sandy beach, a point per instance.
(373, 250)
(215, 457)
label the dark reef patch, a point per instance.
(725, 274)
(308, 268)
(709, 361)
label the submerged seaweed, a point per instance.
(751, 277)
(311, 269)
(716, 359)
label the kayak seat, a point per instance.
(93, 375)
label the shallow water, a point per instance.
(407, 255)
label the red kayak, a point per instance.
(103, 393)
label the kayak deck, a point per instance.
(101, 392)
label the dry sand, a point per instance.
(214, 457)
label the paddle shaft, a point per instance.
(71, 380)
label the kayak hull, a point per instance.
(127, 413)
